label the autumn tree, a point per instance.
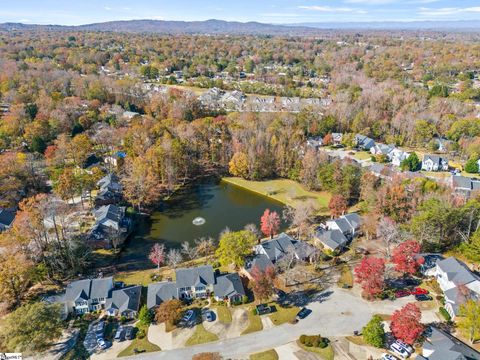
(263, 282)
(405, 257)
(469, 320)
(234, 246)
(394, 201)
(370, 274)
(406, 324)
(301, 216)
(388, 232)
(157, 254)
(337, 205)
(15, 276)
(169, 311)
(270, 223)
(238, 166)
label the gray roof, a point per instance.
(277, 247)
(109, 213)
(435, 158)
(260, 261)
(228, 285)
(160, 292)
(88, 289)
(353, 219)
(110, 182)
(456, 271)
(343, 224)
(364, 141)
(443, 346)
(462, 182)
(6, 218)
(125, 299)
(334, 239)
(202, 275)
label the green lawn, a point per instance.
(139, 344)
(254, 323)
(201, 336)
(283, 314)
(285, 191)
(265, 355)
(346, 277)
(362, 155)
(224, 314)
(326, 353)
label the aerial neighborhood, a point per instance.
(215, 190)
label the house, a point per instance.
(129, 115)
(116, 160)
(348, 224)
(464, 185)
(434, 163)
(85, 296)
(110, 190)
(396, 156)
(269, 252)
(364, 142)
(428, 265)
(333, 240)
(124, 302)
(458, 284)
(111, 223)
(7, 216)
(381, 149)
(440, 345)
(198, 282)
(195, 282)
(229, 288)
(337, 139)
(315, 142)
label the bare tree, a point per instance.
(253, 229)
(190, 252)
(387, 230)
(300, 217)
(205, 247)
(174, 257)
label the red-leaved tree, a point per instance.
(337, 205)
(405, 257)
(370, 274)
(157, 254)
(406, 324)
(263, 282)
(270, 223)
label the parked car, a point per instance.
(102, 344)
(423, 297)
(100, 329)
(209, 316)
(120, 334)
(419, 291)
(402, 293)
(129, 333)
(404, 346)
(400, 351)
(303, 313)
(263, 309)
(388, 357)
(189, 315)
(411, 282)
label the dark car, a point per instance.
(402, 293)
(411, 282)
(120, 334)
(423, 297)
(263, 309)
(129, 333)
(303, 313)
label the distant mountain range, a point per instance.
(215, 27)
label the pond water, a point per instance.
(201, 210)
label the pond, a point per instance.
(200, 210)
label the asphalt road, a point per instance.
(334, 313)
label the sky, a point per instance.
(77, 12)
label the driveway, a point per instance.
(112, 351)
(336, 313)
(231, 330)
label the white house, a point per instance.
(84, 296)
(458, 284)
(434, 163)
(396, 156)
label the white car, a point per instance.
(400, 351)
(405, 346)
(388, 357)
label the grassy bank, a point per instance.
(285, 191)
(326, 353)
(140, 344)
(265, 355)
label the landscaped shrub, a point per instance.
(141, 334)
(244, 299)
(314, 341)
(123, 319)
(445, 314)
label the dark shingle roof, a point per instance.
(202, 275)
(160, 292)
(443, 346)
(260, 261)
(89, 289)
(456, 271)
(277, 247)
(125, 299)
(6, 218)
(334, 239)
(228, 285)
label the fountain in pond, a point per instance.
(198, 221)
